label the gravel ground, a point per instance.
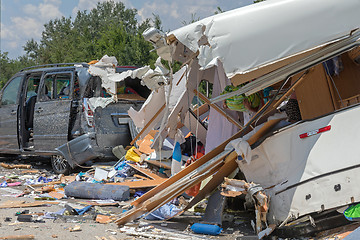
(235, 226)
(176, 228)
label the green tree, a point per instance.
(109, 29)
(8, 67)
(157, 22)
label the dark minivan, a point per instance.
(45, 111)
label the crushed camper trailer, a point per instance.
(306, 165)
(261, 116)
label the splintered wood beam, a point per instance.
(147, 125)
(218, 109)
(140, 184)
(158, 164)
(24, 205)
(146, 172)
(21, 237)
(229, 167)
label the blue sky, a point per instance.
(22, 20)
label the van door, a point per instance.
(8, 116)
(52, 111)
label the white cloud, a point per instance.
(173, 13)
(49, 11)
(84, 5)
(44, 11)
(7, 33)
(30, 9)
(28, 24)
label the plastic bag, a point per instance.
(164, 212)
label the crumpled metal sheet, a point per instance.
(256, 35)
(79, 150)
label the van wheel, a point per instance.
(60, 165)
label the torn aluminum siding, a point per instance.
(243, 43)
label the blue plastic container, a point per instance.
(209, 229)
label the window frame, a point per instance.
(54, 93)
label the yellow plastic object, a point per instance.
(132, 156)
(93, 62)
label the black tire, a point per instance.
(60, 165)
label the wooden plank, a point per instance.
(346, 84)
(141, 177)
(93, 203)
(46, 184)
(158, 164)
(202, 109)
(9, 166)
(20, 237)
(140, 183)
(30, 171)
(313, 95)
(56, 195)
(23, 205)
(218, 109)
(229, 167)
(181, 77)
(262, 131)
(147, 125)
(104, 219)
(146, 172)
(130, 97)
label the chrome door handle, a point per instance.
(39, 110)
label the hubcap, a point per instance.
(59, 162)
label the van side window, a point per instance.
(10, 92)
(47, 89)
(56, 86)
(32, 85)
(63, 86)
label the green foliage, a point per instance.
(219, 10)
(109, 29)
(157, 22)
(9, 67)
(205, 88)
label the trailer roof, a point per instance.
(259, 36)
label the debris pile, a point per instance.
(231, 133)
